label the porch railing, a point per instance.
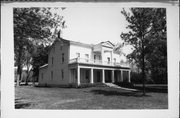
(98, 62)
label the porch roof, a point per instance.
(43, 66)
(100, 66)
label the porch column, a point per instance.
(121, 75)
(102, 56)
(92, 81)
(111, 58)
(129, 79)
(112, 77)
(78, 76)
(103, 79)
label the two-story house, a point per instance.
(75, 63)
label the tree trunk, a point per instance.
(20, 78)
(17, 80)
(33, 81)
(19, 69)
(26, 82)
(18, 75)
(143, 77)
(143, 68)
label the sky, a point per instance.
(93, 25)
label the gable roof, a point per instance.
(107, 44)
(75, 43)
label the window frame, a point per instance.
(87, 57)
(62, 57)
(62, 74)
(52, 61)
(114, 60)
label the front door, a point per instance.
(98, 76)
(107, 76)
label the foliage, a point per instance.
(147, 35)
(136, 78)
(32, 27)
(157, 48)
(39, 58)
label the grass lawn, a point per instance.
(28, 97)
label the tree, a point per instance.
(157, 48)
(28, 61)
(142, 35)
(32, 25)
(39, 58)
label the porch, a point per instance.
(98, 62)
(80, 74)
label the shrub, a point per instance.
(136, 78)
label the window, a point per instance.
(52, 60)
(108, 58)
(42, 76)
(78, 55)
(61, 45)
(62, 74)
(87, 57)
(62, 57)
(99, 57)
(51, 75)
(94, 57)
(114, 60)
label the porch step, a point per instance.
(116, 86)
(112, 85)
(84, 85)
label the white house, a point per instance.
(75, 63)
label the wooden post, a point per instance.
(121, 75)
(112, 77)
(78, 76)
(92, 81)
(129, 79)
(103, 79)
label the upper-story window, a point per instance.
(87, 57)
(61, 45)
(62, 57)
(108, 59)
(94, 57)
(51, 75)
(78, 55)
(52, 61)
(100, 57)
(114, 60)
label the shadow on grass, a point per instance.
(153, 89)
(118, 93)
(22, 105)
(19, 104)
